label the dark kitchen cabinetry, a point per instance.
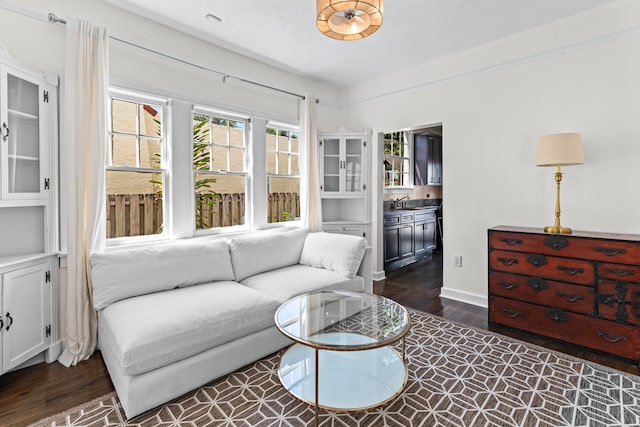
(580, 288)
(409, 235)
(428, 160)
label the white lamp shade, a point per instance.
(563, 149)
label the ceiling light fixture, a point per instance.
(348, 20)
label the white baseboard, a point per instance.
(378, 275)
(53, 352)
(467, 297)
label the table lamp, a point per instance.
(559, 149)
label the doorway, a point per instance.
(412, 206)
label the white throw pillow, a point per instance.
(257, 254)
(130, 272)
(341, 253)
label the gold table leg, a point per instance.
(317, 376)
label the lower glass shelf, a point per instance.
(348, 380)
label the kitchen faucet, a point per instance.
(396, 202)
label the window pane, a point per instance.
(295, 144)
(123, 116)
(150, 153)
(201, 157)
(124, 151)
(271, 163)
(134, 203)
(236, 134)
(219, 200)
(284, 199)
(150, 120)
(236, 156)
(219, 158)
(219, 132)
(271, 142)
(283, 164)
(295, 164)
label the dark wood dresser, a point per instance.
(582, 288)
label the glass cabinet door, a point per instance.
(332, 163)
(20, 135)
(353, 165)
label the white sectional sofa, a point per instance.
(174, 316)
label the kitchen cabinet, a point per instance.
(424, 233)
(28, 205)
(409, 235)
(26, 313)
(427, 160)
(580, 288)
(344, 182)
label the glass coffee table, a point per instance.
(342, 359)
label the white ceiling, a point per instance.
(283, 32)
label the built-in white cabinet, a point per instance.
(23, 113)
(26, 312)
(343, 165)
(345, 182)
(28, 206)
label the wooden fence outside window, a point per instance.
(141, 214)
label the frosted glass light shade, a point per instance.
(563, 149)
(348, 20)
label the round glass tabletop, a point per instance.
(347, 321)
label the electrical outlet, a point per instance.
(457, 260)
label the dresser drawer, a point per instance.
(619, 272)
(576, 247)
(619, 301)
(603, 335)
(576, 298)
(548, 267)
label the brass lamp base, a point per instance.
(557, 229)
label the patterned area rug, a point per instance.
(458, 376)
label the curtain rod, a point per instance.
(54, 19)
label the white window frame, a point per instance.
(408, 157)
(248, 173)
(291, 128)
(140, 97)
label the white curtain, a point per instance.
(311, 208)
(84, 99)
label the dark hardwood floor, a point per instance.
(39, 391)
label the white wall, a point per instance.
(580, 74)
(41, 45)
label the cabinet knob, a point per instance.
(10, 319)
(5, 132)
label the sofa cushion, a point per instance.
(157, 329)
(341, 253)
(130, 272)
(257, 254)
(287, 282)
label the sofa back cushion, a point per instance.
(341, 253)
(130, 272)
(257, 254)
